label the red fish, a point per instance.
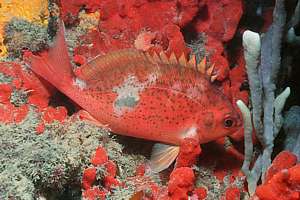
(139, 95)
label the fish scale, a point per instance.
(136, 94)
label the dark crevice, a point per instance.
(189, 32)
(59, 99)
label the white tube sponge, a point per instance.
(253, 174)
(252, 45)
(247, 136)
(278, 107)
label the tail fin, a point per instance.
(53, 65)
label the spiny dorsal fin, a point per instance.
(156, 58)
(164, 57)
(210, 70)
(201, 67)
(192, 62)
(173, 59)
(149, 57)
(210, 73)
(182, 60)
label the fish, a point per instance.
(150, 96)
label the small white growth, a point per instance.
(128, 92)
(80, 83)
(190, 132)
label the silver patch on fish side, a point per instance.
(128, 93)
(190, 132)
(80, 83)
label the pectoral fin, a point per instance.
(163, 156)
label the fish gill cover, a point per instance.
(52, 149)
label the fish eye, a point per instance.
(228, 122)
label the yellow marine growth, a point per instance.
(35, 11)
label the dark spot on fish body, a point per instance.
(208, 120)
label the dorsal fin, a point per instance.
(156, 58)
(210, 70)
(182, 60)
(192, 62)
(201, 67)
(114, 59)
(164, 57)
(90, 71)
(211, 73)
(173, 59)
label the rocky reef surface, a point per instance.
(50, 149)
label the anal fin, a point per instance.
(163, 156)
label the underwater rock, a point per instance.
(123, 25)
(219, 169)
(15, 79)
(219, 28)
(70, 9)
(48, 161)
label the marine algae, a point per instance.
(35, 11)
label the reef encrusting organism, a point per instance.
(44, 164)
(35, 11)
(45, 151)
(21, 34)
